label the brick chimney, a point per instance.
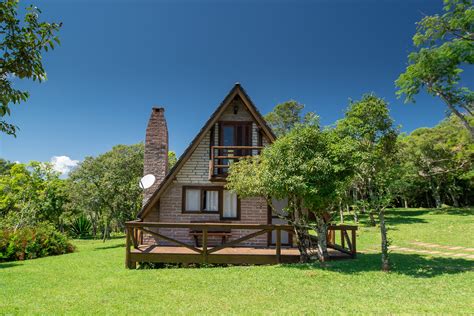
(156, 150)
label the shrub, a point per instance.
(32, 242)
(81, 228)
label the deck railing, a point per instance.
(206, 253)
(136, 229)
(223, 156)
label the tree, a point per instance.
(32, 193)
(5, 166)
(305, 166)
(441, 157)
(22, 44)
(105, 188)
(172, 159)
(446, 43)
(368, 123)
(287, 115)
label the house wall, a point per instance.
(195, 172)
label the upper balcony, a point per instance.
(223, 156)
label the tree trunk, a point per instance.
(322, 230)
(436, 196)
(453, 197)
(383, 235)
(372, 219)
(303, 242)
(405, 202)
(463, 119)
(341, 212)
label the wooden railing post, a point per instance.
(278, 244)
(128, 262)
(354, 249)
(343, 241)
(204, 244)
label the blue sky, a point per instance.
(120, 58)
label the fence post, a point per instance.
(354, 249)
(204, 244)
(278, 244)
(128, 262)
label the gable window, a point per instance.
(211, 200)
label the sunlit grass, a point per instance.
(94, 280)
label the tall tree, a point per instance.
(305, 166)
(105, 188)
(22, 44)
(446, 44)
(287, 115)
(370, 126)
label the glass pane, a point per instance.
(228, 136)
(211, 201)
(230, 204)
(193, 200)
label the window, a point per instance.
(230, 205)
(201, 199)
(211, 200)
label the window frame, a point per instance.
(220, 202)
(201, 199)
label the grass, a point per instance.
(94, 281)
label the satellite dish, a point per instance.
(147, 181)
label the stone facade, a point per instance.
(195, 172)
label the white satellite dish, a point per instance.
(147, 181)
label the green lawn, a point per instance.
(94, 280)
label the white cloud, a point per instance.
(63, 164)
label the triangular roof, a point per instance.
(237, 90)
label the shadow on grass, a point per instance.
(122, 245)
(412, 265)
(4, 265)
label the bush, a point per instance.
(81, 227)
(32, 242)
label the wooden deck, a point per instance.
(228, 253)
(235, 255)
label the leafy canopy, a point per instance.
(21, 44)
(285, 116)
(446, 45)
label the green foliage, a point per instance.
(21, 43)
(81, 227)
(172, 159)
(438, 161)
(368, 123)
(31, 193)
(32, 242)
(446, 44)
(105, 188)
(285, 116)
(5, 166)
(306, 166)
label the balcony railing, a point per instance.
(223, 156)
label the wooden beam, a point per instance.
(238, 241)
(171, 240)
(278, 245)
